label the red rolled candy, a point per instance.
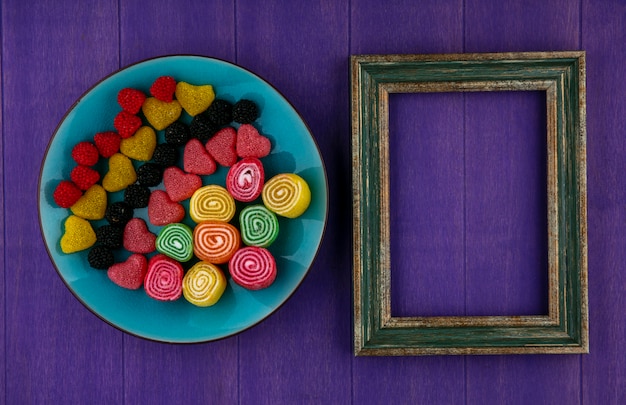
(245, 179)
(164, 279)
(253, 268)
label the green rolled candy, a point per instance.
(176, 241)
(259, 226)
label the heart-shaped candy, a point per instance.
(126, 123)
(121, 174)
(92, 205)
(194, 99)
(222, 146)
(78, 235)
(108, 143)
(162, 210)
(131, 100)
(180, 185)
(141, 145)
(84, 177)
(159, 113)
(250, 143)
(196, 159)
(129, 274)
(138, 238)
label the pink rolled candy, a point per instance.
(253, 268)
(245, 179)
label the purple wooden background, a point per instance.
(473, 252)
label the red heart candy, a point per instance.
(137, 237)
(131, 100)
(108, 143)
(126, 124)
(196, 158)
(222, 146)
(129, 274)
(252, 144)
(180, 185)
(162, 210)
(84, 177)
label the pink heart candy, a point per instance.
(162, 210)
(196, 159)
(250, 143)
(129, 274)
(180, 185)
(137, 237)
(222, 146)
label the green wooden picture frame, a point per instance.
(565, 328)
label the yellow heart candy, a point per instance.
(141, 145)
(159, 113)
(92, 204)
(79, 235)
(121, 174)
(194, 99)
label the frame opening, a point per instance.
(468, 204)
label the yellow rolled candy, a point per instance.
(211, 203)
(287, 195)
(204, 284)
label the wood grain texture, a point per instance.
(506, 260)
(603, 37)
(301, 354)
(498, 27)
(403, 26)
(426, 204)
(163, 28)
(537, 379)
(2, 250)
(399, 27)
(169, 27)
(160, 373)
(521, 26)
(56, 351)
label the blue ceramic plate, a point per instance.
(293, 151)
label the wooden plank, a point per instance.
(426, 204)
(56, 351)
(2, 250)
(405, 27)
(536, 379)
(521, 26)
(506, 211)
(402, 28)
(495, 134)
(301, 354)
(170, 27)
(603, 37)
(158, 373)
